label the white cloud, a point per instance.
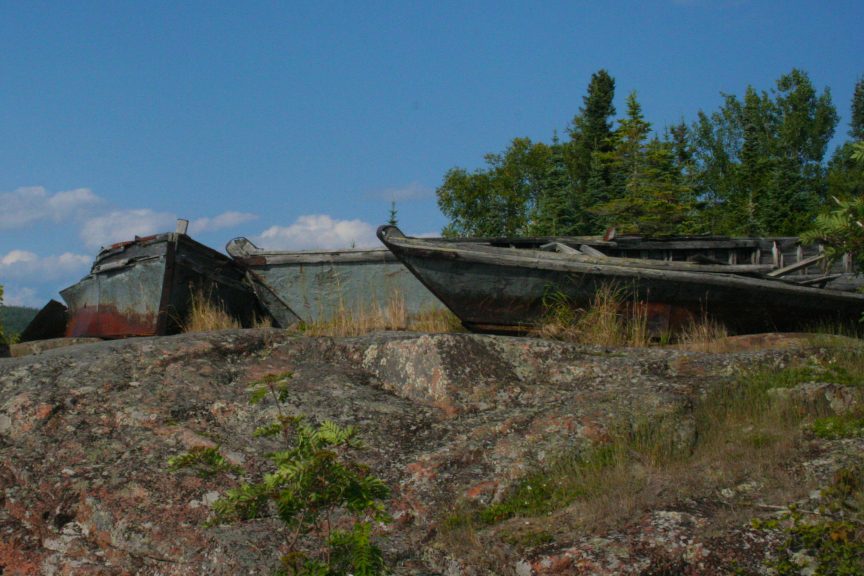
(22, 296)
(319, 231)
(412, 191)
(220, 222)
(30, 204)
(121, 225)
(25, 265)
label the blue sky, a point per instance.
(295, 124)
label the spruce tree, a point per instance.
(557, 212)
(590, 132)
(392, 219)
(856, 124)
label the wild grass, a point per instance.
(704, 335)
(608, 321)
(739, 436)
(371, 316)
(207, 314)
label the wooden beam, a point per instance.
(588, 250)
(562, 248)
(796, 266)
(819, 280)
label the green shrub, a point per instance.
(841, 426)
(315, 481)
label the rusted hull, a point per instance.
(506, 289)
(319, 285)
(145, 288)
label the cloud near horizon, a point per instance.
(225, 220)
(26, 265)
(122, 225)
(33, 203)
(21, 296)
(319, 231)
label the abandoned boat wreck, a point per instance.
(145, 287)
(317, 285)
(748, 284)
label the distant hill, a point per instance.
(15, 318)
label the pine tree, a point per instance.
(392, 219)
(806, 123)
(557, 212)
(753, 208)
(590, 132)
(856, 124)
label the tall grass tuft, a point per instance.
(206, 314)
(609, 321)
(704, 335)
(373, 317)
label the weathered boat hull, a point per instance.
(145, 288)
(319, 285)
(499, 289)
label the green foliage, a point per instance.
(496, 201)
(759, 162)
(206, 461)
(841, 426)
(556, 212)
(856, 124)
(16, 318)
(755, 166)
(582, 474)
(392, 220)
(829, 542)
(745, 413)
(840, 231)
(316, 489)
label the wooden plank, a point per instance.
(585, 249)
(796, 266)
(562, 248)
(818, 280)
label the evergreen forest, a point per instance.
(758, 165)
(13, 319)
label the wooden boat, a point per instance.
(319, 284)
(144, 287)
(749, 284)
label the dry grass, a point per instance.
(609, 321)
(704, 335)
(363, 319)
(736, 448)
(435, 321)
(612, 320)
(372, 317)
(206, 315)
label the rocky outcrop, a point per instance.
(86, 432)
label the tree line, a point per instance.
(755, 166)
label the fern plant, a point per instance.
(329, 501)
